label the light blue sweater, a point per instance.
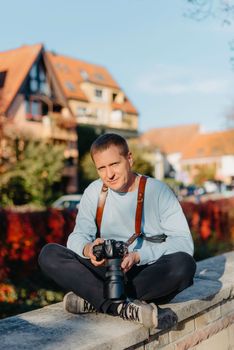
(162, 213)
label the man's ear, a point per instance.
(130, 158)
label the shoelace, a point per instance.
(88, 307)
(129, 311)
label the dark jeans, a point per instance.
(158, 282)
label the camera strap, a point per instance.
(139, 210)
(138, 216)
(100, 208)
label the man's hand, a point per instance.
(88, 252)
(129, 260)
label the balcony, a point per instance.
(126, 122)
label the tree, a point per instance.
(86, 136)
(204, 173)
(223, 10)
(32, 177)
(203, 9)
(141, 165)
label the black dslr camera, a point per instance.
(113, 251)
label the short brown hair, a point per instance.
(105, 141)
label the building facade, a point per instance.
(45, 95)
(189, 155)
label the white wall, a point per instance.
(227, 165)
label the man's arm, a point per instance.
(84, 233)
(172, 223)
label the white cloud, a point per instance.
(168, 80)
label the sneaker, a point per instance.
(77, 305)
(137, 311)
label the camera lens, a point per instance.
(114, 281)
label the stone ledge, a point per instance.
(51, 327)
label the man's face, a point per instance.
(113, 168)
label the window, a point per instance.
(36, 110)
(84, 74)
(42, 74)
(33, 109)
(33, 85)
(98, 93)
(33, 72)
(81, 111)
(99, 76)
(70, 86)
(114, 95)
(62, 67)
(2, 78)
(37, 82)
(44, 88)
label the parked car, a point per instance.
(69, 201)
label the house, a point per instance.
(33, 106)
(166, 146)
(93, 95)
(45, 95)
(185, 153)
(213, 153)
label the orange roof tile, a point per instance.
(17, 63)
(72, 72)
(69, 72)
(210, 145)
(126, 106)
(170, 139)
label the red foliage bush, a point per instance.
(211, 217)
(23, 234)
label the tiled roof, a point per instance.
(170, 139)
(17, 64)
(210, 145)
(72, 72)
(126, 106)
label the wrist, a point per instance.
(137, 257)
(86, 250)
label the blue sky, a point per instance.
(174, 69)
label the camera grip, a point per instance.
(98, 252)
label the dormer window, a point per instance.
(2, 78)
(99, 76)
(114, 95)
(70, 86)
(84, 74)
(98, 93)
(62, 67)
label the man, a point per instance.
(154, 271)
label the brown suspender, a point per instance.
(100, 208)
(139, 209)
